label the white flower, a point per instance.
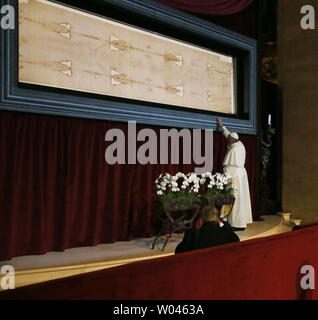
(160, 193)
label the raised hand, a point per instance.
(219, 122)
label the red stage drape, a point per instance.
(57, 191)
(214, 7)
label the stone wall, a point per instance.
(298, 83)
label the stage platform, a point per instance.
(37, 268)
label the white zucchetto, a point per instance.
(234, 135)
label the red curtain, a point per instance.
(215, 7)
(57, 191)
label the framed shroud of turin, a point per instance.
(124, 60)
(67, 48)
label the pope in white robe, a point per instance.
(233, 163)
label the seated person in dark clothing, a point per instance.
(208, 231)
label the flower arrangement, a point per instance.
(182, 192)
(217, 183)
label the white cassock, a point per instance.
(233, 163)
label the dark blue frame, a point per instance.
(15, 97)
